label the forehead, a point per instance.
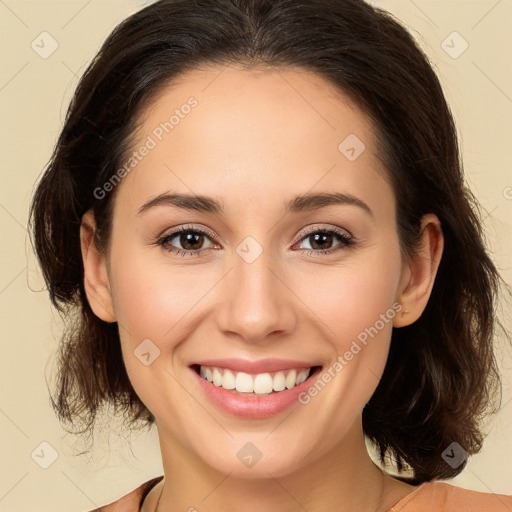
(260, 100)
(253, 132)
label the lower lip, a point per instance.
(253, 406)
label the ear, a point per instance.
(96, 280)
(419, 272)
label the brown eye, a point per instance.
(321, 241)
(189, 242)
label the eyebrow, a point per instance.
(305, 202)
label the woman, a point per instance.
(258, 209)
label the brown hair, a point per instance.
(441, 373)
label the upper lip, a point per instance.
(260, 366)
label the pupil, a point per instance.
(187, 239)
(321, 236)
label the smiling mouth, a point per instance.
(260, 384)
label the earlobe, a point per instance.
(96, 280)
(419, 272)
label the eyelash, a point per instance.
(345, 241)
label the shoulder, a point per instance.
(130, 502)
(445, 497)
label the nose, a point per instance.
(256, 300)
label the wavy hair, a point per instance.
(441, 374)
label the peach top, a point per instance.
(431, 496)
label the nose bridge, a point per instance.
(255, 303)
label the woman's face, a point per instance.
(256, 285)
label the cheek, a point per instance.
(351, 297)
(151, 300)
(158, 296)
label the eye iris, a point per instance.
(321, 236)
(188, 239)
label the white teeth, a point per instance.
(279, 381)
(244, 383)
(208, 374)
(291, 378)
(302, 376)
(261, 384)
(228, 380)
(217, 377)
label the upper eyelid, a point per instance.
(327, 229)
(176, 231)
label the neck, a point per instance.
(344, 479)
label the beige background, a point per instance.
(34, 94)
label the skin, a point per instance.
(256, 139)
